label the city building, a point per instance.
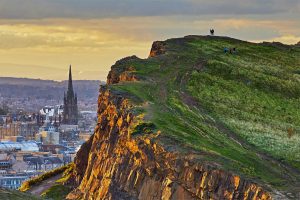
(52, 111)
(53, 148)
(10, 129)
(14, 138)
(25, 129)
(48, 137)
(19, 146)
(68, 132)
(48, 133)
(28, 130)
(70, 114)
(38, 163)
(5, 164)
(12, 181)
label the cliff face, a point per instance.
(113, 164)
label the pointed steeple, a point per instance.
(70, 113)
(70, 83)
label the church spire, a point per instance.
(70, 113)
(70, 84)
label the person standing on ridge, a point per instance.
(212, 32)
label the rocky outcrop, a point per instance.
(158, 48)
(122, 72)
(115, 164)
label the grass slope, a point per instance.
(49, 185)
(239, 111)
(36, 181)
(16, 195)
(56, 192)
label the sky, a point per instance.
(41, 38)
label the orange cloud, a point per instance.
(92, 46)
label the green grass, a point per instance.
(201, 98)
(16, 195)
(56, 192)
(143, 128)
(256, 93)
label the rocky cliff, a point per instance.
(122, 167)
(135, 153)
(113, 164)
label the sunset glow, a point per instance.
(92, 42)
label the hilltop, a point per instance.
(192, 121)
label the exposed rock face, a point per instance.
(82, 161)
(120, 166)
(158, 48)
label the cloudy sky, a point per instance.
(40, 38)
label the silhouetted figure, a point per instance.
(233, 50)
(212, 32)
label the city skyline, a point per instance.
(40, 39)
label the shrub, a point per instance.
(36, 180)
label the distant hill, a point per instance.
(43, 92)
(32, 82)
(25, 81)
(23, 87)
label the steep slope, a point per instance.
(191, 122)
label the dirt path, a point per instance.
(45, 185)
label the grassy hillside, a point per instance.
(240, 111)
(16, 195)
